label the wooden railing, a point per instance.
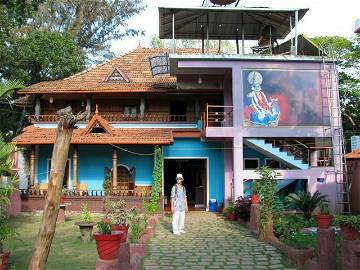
(154, 117)
(218, 116)
(88, 193)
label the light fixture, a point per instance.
(82, 103)
(51, 100)
(199, 81)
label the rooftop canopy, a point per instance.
(226, 23)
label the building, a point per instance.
(216, 116)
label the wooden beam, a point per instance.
(114, 170)
(32, 167)
(75, 167)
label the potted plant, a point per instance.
(137, 223)
(350, 225)
(229, 211)
(86, 225)
(324, 218)
(115, 211)
(255, 191)
(6, 233)
(107, 241)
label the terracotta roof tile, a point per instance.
(134, 65)
(34, 135)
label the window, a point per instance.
(130, 110)
(251, 163)
(271, 163)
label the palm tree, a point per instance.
(8, 87)
(306, 202)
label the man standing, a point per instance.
(178, 205)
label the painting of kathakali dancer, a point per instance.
(283, 98)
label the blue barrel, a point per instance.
(213, 205)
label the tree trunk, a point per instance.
(52, 200)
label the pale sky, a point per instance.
(325, 17)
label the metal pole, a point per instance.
(291, 36)
(242, 35)
(296, 31)
(207, 33)
(173, 33)
(237, 40)
(202, 39)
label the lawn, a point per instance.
(67, 250)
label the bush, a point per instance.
(242, 208)
(115, 210)
(137, 225)
(150, 208)
(353, 221)
(85, 214)
(229, 209)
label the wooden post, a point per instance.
(88, 107)
(114, 170)
(75, 167)
(52, 200)
(32, 167)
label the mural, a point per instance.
(283, 98)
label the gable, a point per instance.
(117, 76)
(98, 125)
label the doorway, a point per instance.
(195, 176)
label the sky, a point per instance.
(325, 17)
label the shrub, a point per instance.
(353, 221)
(229, 209)
(104, 226)
(6, 233)
(115, 210)
(242, 208)
(85, 214)
(137, 225)
(306, 202)
(150, 208)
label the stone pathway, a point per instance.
(210, 243)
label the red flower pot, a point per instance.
(324, 221)
(123, 229)
(108, 245)
(4, 258)
(231, 216)
(62, 199)
(348, 232)
(255, 199)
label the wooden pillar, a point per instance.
(142, 108)
(114, 169)
(37, 106)
(75, 168)
(32, 167)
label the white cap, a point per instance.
(179, 175)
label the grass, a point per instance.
(67, 250)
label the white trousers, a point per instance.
(178, 221)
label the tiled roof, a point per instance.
(353, 154)
(134, 66)
(34, 135)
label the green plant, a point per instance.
(229, 208)
(267, 188)
(255, 186)
(115, 210)
(306, 202)
(107, 186)
(85, 214)
(6, 233)
(150, 208)
(324, 208)
(104, 226)
(157, 177)
(353, 221)
(137, 225)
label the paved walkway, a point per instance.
(210, 243)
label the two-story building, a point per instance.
(216, 117)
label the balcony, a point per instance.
(112, 117)
(218, 116)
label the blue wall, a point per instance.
(94, 158)
(192, 147)
(251, 153)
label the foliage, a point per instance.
(42, 56)
(115, 210)
(137, 225)
(267, 192)
(85, 214)
(242, 208)
(152, 206)
(285, 226)
(104, 226)
(229, 208)
(5, 151)
(92, 24)
(9, 87)
(255, 186)
(6, 233)
(306, 202)
(353, 221)
(324, 208)
(107, 186)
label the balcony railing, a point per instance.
(218, 116)
(155, 117)
(88, 193)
